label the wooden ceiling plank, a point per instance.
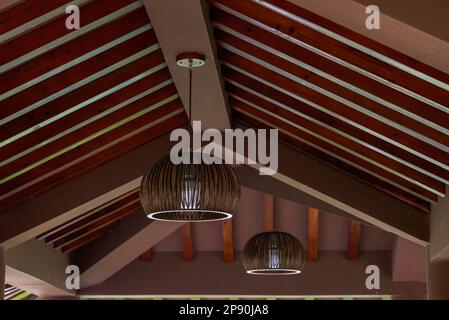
(376, 182)
(76, 106)
(86, 240)
(228, 241)
(90, 218)
(340, 50)
(93, 143)
(388, 133)
(100, 223)
(63, 57)
(73, 78)
(27, 11)
(246, 88)
(334, 151)
(388, 103)
(187, 242)
(269, 212)
(363, 40)
(86, 131)
(328, 137)
(313, 227)
(355, 229)
(80, 166)
(54, 33)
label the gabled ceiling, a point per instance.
(73, 99)
(341, 97)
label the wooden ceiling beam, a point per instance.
(97, 225)
(332, 149)
(91, 129)
(313, 227)
(260, 37)
(80, 96)
(187, 242)
(302, 147)
(55, 29)
(355, 229)
(166, 112)
(79, 166)
(87, 69)
(385, 132)
(64, 56)
(88, 218)
(338, 49)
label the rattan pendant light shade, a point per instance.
(273, 253)
(189, 192)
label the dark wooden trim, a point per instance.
(355, 229)
(313, 227)
(228, 240)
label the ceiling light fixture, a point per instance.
(189, 192)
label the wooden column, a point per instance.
(147, 256)
(187, 242)
(269, 212)
(313, 222)
(2, 273)
(228, 254)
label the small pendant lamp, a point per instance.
(189, 192)
(273, 253)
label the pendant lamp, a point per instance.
(189, 192)
(273, 253)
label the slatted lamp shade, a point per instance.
(189, 192)
(273, 253)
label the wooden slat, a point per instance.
(356, 79)
(87, 148)
(78, 96)
(355, 229)
(88, 218)
(80, 166)
(88, 130)
(98, 224)
(147, 256)
(338, 164)
(56, 29)
(72, 50)
(187, 242)
(341, 152)
(75, 245)
(26, 11)
(339, 50)
(269, 212)
(361, 39)
(228, 240)
(350, 114)
(73, 75)
(313, 223)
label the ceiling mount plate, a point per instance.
(190, 59)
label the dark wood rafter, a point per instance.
(313, 227)
(287, 128)
(341, 50)
(355, 229)
(52, 30)
(79, 166)
(356, 79)
(342, 110)
(250, 122)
